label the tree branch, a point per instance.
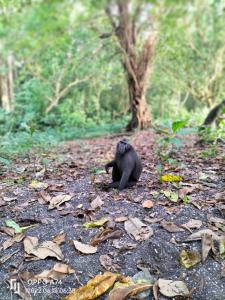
(64, 92)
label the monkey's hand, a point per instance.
(107, 168)
(109, 165)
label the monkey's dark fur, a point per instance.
(127, 166)
(213, 113)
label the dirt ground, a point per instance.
(76, 171)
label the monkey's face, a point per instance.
(122, 147)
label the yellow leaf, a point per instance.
(35, 184)
(170, 178)
(95, 287)
(97, 223)
(189, 258)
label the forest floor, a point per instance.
(147, 226)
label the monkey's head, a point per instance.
(123, 147)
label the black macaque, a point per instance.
(212, 115)
(127, 166)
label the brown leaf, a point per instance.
(218, 222)
(152, 220)
(97, 202)
(58, 200)
(191, 224)
(121, 219)
(122, 292)
(8, 230)
(107, 262)
(147, 204)
(6, 257)
(123, 247)
(199, 234)
(43, 250)
(58, 272)
(170, 226)
(104, 235)
(16, 239)
(59, 238)
(185, 191)
(84, 248)
(138, 229)
(207, 244)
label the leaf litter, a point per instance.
(187, 213)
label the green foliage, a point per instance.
(41, 141)
(171, 136)
(56, 43)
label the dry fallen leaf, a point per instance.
(122, 292)
(121, 219)
(219, 223)
(8, 230)
(185, 191)
(147, 204)
(138, 229)
(95, 287)
(192, 224)
(170, 226)
(16, 239)
(207, 244)
(172, 288)
(47, 248)
(84, 248)
(4, 258)
(59, 271)
(189, 258)
(58, 200)
(152, 220)
(106, 234)
(97, 202)
(107, 262)
(59, 238)
(199, 234)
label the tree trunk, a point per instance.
(6, 84)
(10, 79)
(141, 117)
(136, 62)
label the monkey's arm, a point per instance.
(110, 165)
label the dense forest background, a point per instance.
(61, 73)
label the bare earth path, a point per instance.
(76, 171)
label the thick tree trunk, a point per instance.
(136, 61)
(141, 117)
